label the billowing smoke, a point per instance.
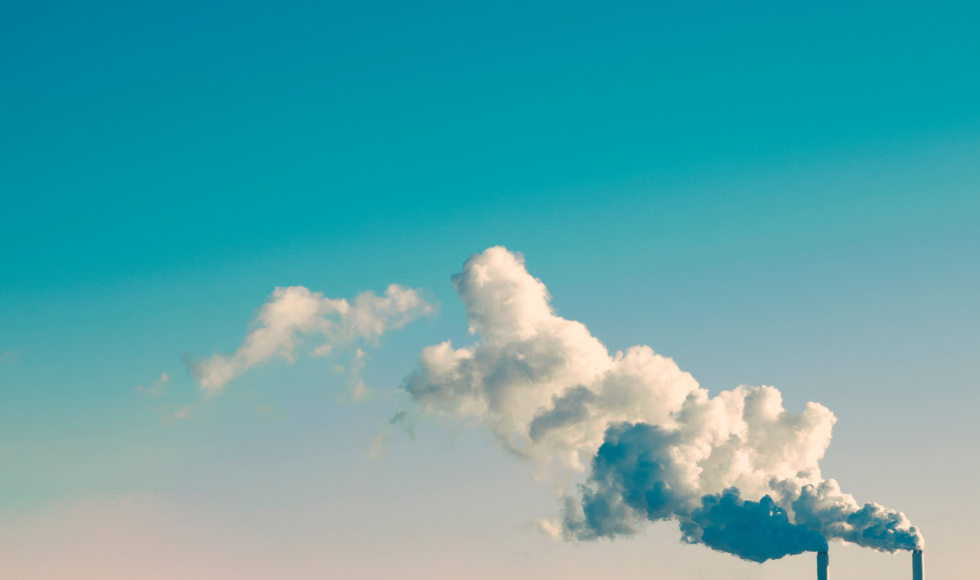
(737, 471)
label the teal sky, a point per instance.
(769, 194)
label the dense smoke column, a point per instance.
(631, 474)
(756, 531)
(639, 474)
(823, 507)
(737, 471)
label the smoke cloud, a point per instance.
(293, 312)
(737, 471)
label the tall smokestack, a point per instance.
(916, 564)
(823, 564)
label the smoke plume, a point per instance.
(737, 471)
(294, 312)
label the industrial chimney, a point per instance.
(916, 564)
(823, 563)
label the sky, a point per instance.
(767, 194)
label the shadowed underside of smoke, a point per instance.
(634, 479)
(752, 530)
(629, 479)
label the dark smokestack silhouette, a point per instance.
(916, 564)
(823, 565)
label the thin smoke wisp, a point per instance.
(293, 313)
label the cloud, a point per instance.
(294, 312)
(157, 390)
(737, 471)
(181, 414)
(9, 358)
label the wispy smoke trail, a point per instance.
(294, 312)
(737, 471)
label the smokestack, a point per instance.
(823, 564)
(916, 564)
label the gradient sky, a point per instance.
(770, 194)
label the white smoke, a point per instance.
(294, 312)
(545, 386)
(737, 471)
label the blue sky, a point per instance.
(779, 195)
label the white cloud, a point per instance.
(158, 389)
(294, 312)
